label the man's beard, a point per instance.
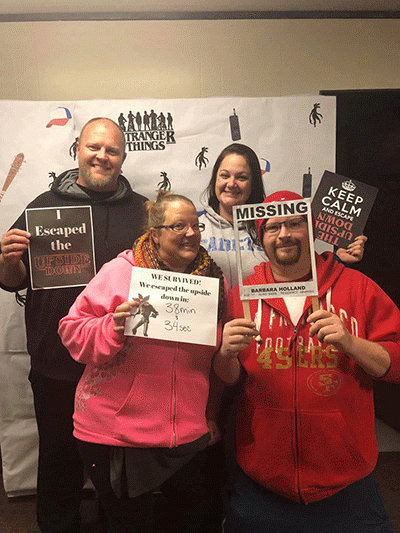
(288, 259)
(97, 183)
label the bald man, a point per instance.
(118, 216)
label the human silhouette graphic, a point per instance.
(153, 120)
(121, 121)
(131, 124)
(161, 121)
(169, 121)
(139, 120)
(146, 120)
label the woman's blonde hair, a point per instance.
(156, 210)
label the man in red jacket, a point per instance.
(305, 437)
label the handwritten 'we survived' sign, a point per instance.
(173, 306)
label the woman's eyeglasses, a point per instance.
(180, 227)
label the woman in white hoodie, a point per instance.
(236, 179)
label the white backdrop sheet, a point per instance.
(289, 134)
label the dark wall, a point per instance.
(368, 149)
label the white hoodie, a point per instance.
(218, 239)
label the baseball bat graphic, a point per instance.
(18, 160)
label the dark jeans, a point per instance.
(356, 509)
(60, 468)
(186, 503)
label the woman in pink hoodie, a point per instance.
(142, 410)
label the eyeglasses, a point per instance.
(295, 224)
(180, 227)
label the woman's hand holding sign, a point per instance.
(121, 313)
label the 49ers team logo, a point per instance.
(325, 382)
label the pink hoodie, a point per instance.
(135, 391)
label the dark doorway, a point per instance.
(368, 149)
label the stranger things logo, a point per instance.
(61, 252)
(147, 130)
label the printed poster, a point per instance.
(61, 251)
(341, 207)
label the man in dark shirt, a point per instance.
(118, 216)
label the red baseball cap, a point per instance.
(278, 196)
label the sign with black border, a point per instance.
(341, 207)
(61, 250)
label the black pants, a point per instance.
(357, 508)
(184, 503)
(60, 468)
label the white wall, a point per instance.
(178, 59)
